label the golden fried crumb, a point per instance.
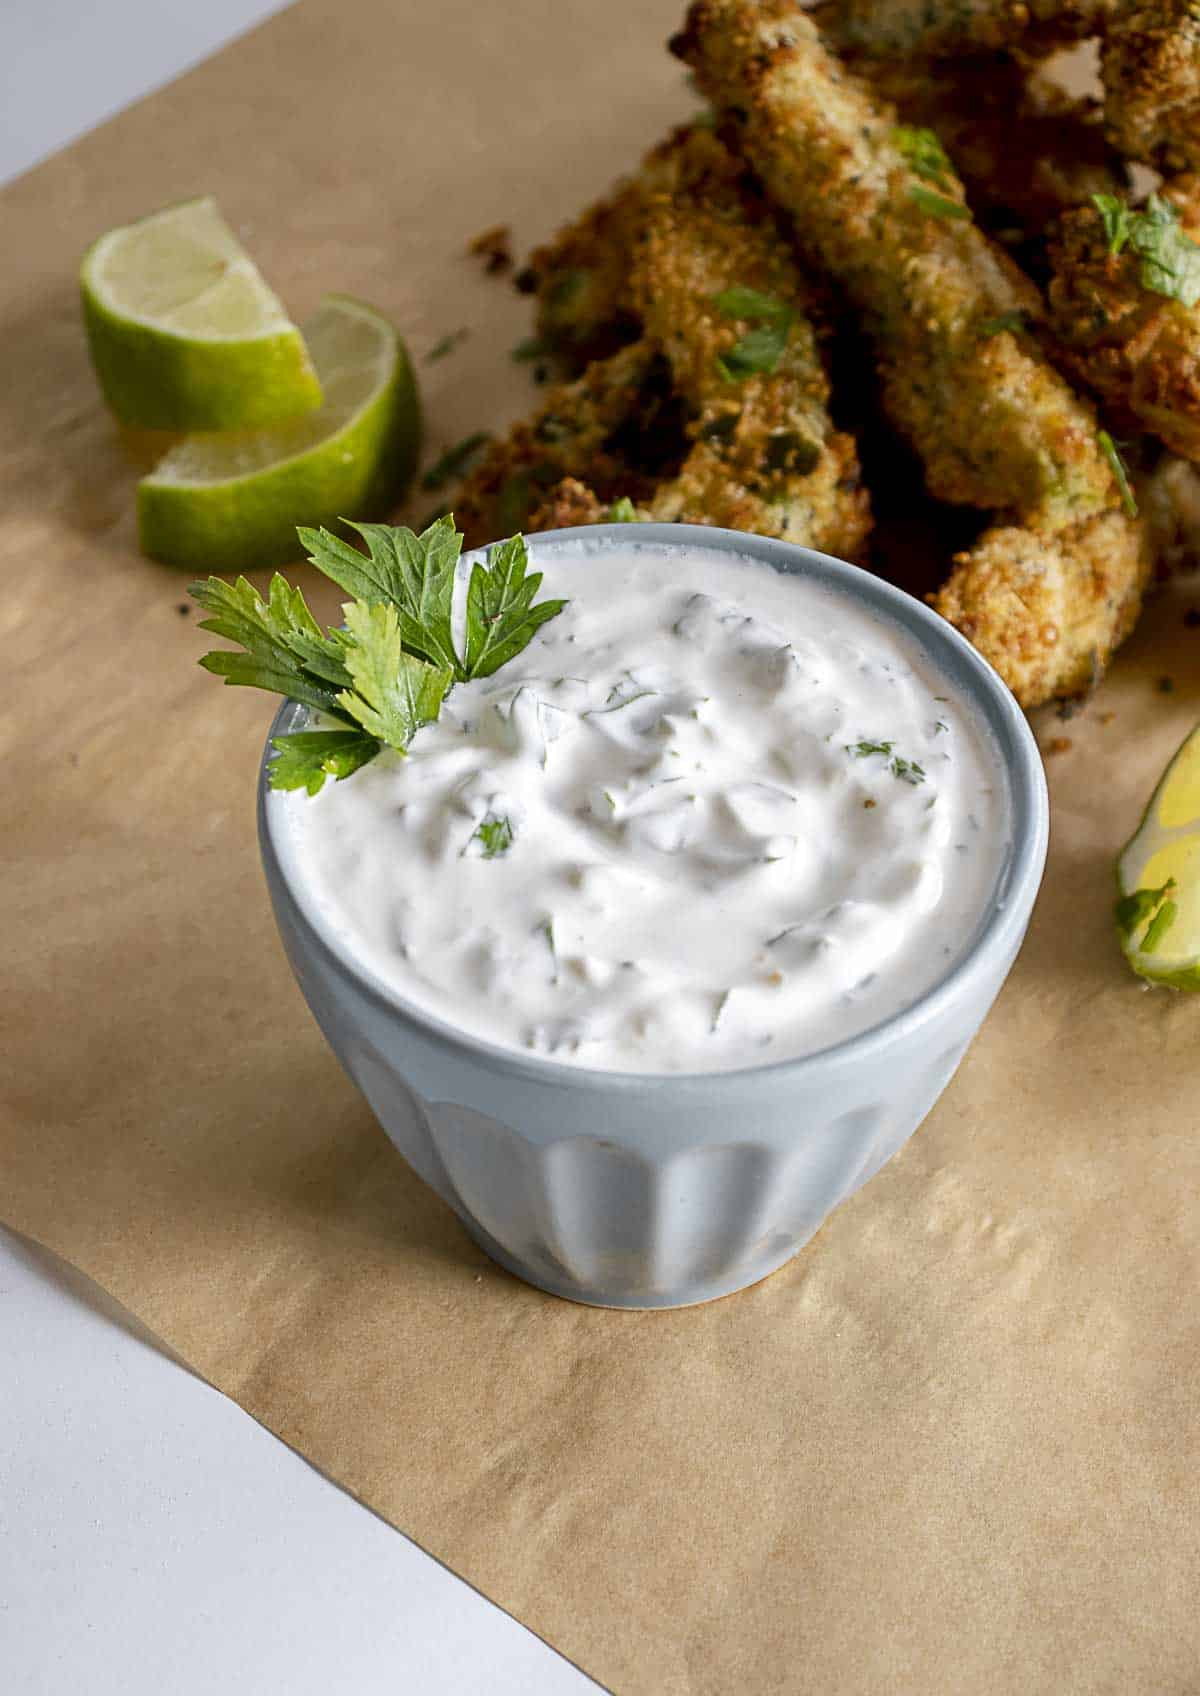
(1136, 348)
(1150, 67)
(494, 247)
(935, 28)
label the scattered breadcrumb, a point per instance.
(494, 247)
(1059, 745)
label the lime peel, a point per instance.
(232, 502)
(184, 333)
(1158, 878)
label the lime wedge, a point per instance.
(183, 331)
(1158, 878)
(232, 502)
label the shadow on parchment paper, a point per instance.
(361, 1193)
(51, 406)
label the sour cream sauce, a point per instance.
(713, 816)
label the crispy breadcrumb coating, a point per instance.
(1049, 610)
(1024, 148)
(936, 28)
(607, 428)
(567, 505)
(581, 276)
(1150, 67)
(1138, 349)
(758, 450)
(766, 457)
(995, 425)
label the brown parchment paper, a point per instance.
(954, 1445)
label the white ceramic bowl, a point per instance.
(626, 1190)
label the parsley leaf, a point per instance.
(565, 287)
(739, 301)
(285, 650)
(924, 153)
(306, 758)
(495, 836)
(393, 692)
(622, 511)
(456, 461)
(760, 349)
(501, 616)
(1013, 321)
(758, 353)
(414, 573)
(446, 344)
(530, 349)
(908, 771)
(1117, 219)
(937, 205)
(514, 501)
(1109, 449)
(1170, 259)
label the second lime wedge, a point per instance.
(232, 502)
(1158, 878)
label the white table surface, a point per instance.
(153, 1537)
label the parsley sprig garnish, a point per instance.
(759, 351)
(1170, 259)
(386, 671)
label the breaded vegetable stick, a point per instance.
(581, 276)
(581, 279)
(716, 287)
(995, 425)
(605, 428)
(1049, 609)
(936, 28)
(1025, 150)
(1125, 308)
(1150, 67)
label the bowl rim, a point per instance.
(997, 934)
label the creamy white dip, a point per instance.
(713, 816)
